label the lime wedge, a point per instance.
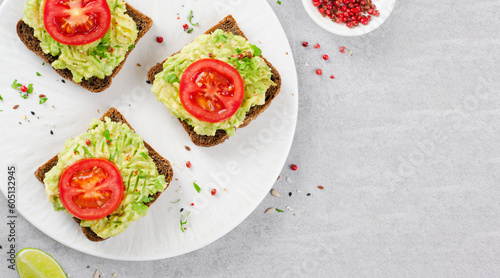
(34, 263)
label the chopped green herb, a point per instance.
(118, 46)
(176, 201)
(185, 222)
(87, 152)
(42, 100)
(141, 174)
(144, 155)
(238, 51)
(107, 135)
(172, 78)
(131, 47)
(279, 2)
(112, 156)
(190, 30)
(16, 85)
(147, 199)
(278, 210)
(76, 149)
(43, 64)
(256, 51)
(190, 18)
(198, 189)
(1, 98)
(30, 89)
(93, 55)
(38, 74)
(222, 38)
(102, 48)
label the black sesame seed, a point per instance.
(182, 209)
(290, 194)
(63, 81)
(32, 113)
(147, 81)
(51, 132)
(308, 194)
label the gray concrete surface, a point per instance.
(405, 141)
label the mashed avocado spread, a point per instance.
(98, 58)
(139, 173)
(254, 71)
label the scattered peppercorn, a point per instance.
(192, 204)
(305, 44)
(214, 191)
(185, 26)
(332, 77)
(317, 46)
(319, 72)
(87, 142)
(342, 49)
(294, 167)
(159, 39)
(325, 57)
(188, 164)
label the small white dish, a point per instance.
(384, 6)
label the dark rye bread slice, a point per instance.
(163, 166)
(228, 24)
(93, 84)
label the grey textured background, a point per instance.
(405, 141)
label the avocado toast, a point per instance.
(162, 170)
(94, 84)
(228, 25)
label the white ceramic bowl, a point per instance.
(384, 6)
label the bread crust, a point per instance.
(228, 24)
(162, 164)
(94, 84)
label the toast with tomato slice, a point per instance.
(228, 24)
(162, 164)
(94, 84)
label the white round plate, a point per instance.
(384, 6)
(243, 169)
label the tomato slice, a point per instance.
(211, 90)
(91, 188)
(76, 22)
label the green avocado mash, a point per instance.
(221, 45)
(99, 58)
(139, 173)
